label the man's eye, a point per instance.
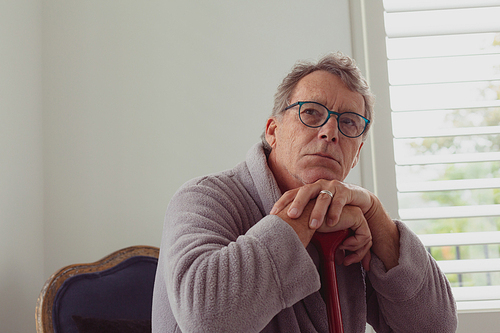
(349, 121)
(311, 112)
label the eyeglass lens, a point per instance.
(315, 115)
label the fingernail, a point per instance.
(314, 224)
(293, 212)
(273, 211)
(329, 222)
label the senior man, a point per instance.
(235, 253)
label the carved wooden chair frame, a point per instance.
(43, 313)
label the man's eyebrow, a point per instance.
(343, 109)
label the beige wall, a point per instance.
(107, 107)
(21, 181)
(140, 96)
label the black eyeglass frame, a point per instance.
(337, 114)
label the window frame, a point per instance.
(377, 163)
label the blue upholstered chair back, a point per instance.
(117, 298)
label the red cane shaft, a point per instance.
(326, 244)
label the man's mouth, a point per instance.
(323, 155)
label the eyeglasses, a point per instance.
(314, 114)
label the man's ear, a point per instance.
(356, 159)
(271, 129)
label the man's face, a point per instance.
(302, 155)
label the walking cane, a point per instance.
(326, 244)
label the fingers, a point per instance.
(360, 243)
(284, 201)
(327, 214)
(359, 256)
(320, 210)
(352, 217)
(341, 259)
(298, 198)
(327, 208)
(343, 194)
(301, 198)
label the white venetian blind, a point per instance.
(444, 75)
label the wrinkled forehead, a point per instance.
(328, 89)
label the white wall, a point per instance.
(107, 107)
(21, 182)
(141, 96)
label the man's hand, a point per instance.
(351, 207)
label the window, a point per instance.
(442, 61)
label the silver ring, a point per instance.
(327, 192)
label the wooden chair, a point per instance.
(113, 294)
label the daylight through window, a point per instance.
(444, 75)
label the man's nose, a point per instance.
(330, 130)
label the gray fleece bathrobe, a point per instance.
(226, 265)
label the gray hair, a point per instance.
(335, 63)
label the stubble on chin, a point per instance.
(310, 177)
